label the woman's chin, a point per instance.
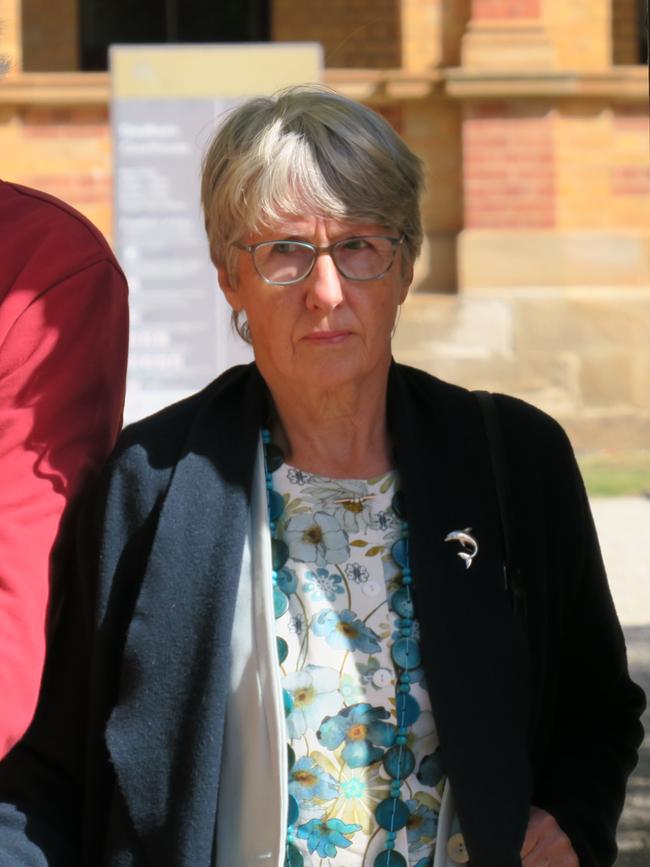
(331, 371)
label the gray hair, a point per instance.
(307, 150)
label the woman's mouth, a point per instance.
(327, 336)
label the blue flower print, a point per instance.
(298, 477)
(363, 730)
(297, 624)
(347, 500)
(344, 631)
(314, 692)
(422, 824)
(316, 538)
(367, 672)
(287, 581)
(324, 837)
(357, 573)
(309, 782)
(431, 769)
(350, 689)
(322, 585)
(383, 520)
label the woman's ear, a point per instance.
(407, 279)
(227, 286)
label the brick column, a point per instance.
(506, 9)
(421, 32)
(508, 167)
(582, 33)
(507, 35)
(10, 35)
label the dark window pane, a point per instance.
(106, 22)
(644, 30)
(231, 20)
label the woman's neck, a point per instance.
(340, 433)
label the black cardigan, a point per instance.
(121, 765)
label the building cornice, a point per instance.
(619, 84)
(372, 85)
(55, 89)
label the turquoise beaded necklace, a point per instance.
(392, 813)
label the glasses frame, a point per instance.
(320, 251)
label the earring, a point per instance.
(241, 326)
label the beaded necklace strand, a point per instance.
(392, 813)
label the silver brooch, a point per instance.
(468, 543)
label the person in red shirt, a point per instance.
(63, 350)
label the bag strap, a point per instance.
(512, 574)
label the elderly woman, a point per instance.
(294, 641)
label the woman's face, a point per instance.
(325, 331)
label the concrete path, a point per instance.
(623, 525)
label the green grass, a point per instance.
(616, 474)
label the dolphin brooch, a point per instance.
(468, 543)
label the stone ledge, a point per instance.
(619, 83)
(384, 84)
(521, 44)
(56, 89)
(624, 83)
(93, 88)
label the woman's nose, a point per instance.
(324, 286)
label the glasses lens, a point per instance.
(283, 261)
(364, 258)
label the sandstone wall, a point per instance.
(583, 355)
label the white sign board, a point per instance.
(167, 102)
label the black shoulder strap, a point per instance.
(512, 574)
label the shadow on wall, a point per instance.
(455, 15)
(634, 829)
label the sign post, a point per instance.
(166, 103)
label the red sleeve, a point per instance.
(62, 374)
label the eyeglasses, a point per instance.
(363, 257)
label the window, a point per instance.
(157, 21)
(629, 32)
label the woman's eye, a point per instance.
(285, 248)
(356, 244)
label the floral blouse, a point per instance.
(340, 676)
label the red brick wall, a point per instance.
(630, 180)
(506, 8)
(393, 113)
(67, 153)
(67, 123)
(508, 168)
(630, 118)
(631, 174)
